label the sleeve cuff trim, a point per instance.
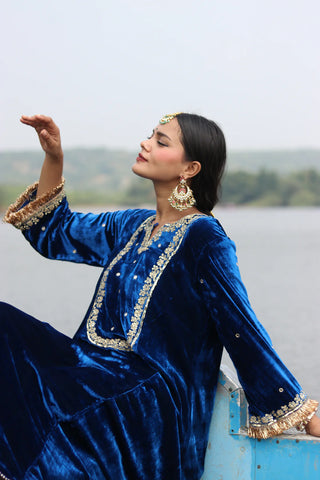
(24, 216)
(289, 420)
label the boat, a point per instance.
(232, 455)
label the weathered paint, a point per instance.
(232, 455)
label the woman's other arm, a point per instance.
(276, 400)
(49, 137)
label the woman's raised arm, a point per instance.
(49, 137)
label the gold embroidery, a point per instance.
(2, 475)
(289, 417)
(25, 217)
(139, 312)
(274, 416)
(118, 344)
(156, 271)
(167, 227)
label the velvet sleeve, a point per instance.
(276, 400)
(57, 233)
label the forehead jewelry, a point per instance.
(167, 118)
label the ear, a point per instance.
(191, 169)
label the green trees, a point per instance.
(267, 188)
(103, 177)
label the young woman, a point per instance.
(131, 395)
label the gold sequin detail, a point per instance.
(285, 410)
(2, 475)
(116, 343)
(25, 217)
(167, 227)
(303, 411)
(145, 294)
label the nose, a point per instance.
(145, 144)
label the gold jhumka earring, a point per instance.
(182, 196)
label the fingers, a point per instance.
(41, 123)
(36, 120)
(48, 132)
(47, 140)
(44, 134)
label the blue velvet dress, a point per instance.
(131, 395)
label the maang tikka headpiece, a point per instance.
(167, 118)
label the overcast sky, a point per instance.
(106, 71)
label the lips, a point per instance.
(140, 158)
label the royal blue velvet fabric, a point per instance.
(131, 395)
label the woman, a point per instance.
(131, 395)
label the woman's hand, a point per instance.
(48, 132)
(49, 136)
(313, 427)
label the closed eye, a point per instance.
(158, 135)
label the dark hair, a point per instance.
(204, 142)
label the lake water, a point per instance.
(279, 258)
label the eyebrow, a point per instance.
(160, 134)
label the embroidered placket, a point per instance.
(145, 294)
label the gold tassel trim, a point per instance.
(293, 419)
(25, 217)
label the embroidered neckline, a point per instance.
(167, 227)
(145, 294)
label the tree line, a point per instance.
(266, 188)
(263, 188)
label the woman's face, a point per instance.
(162, 156)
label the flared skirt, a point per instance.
(70, 410)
